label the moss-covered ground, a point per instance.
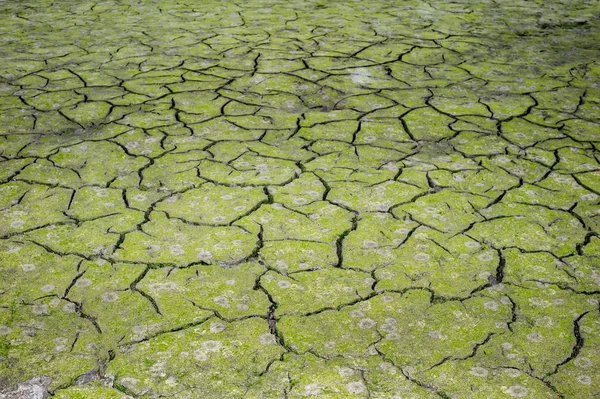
(289, 199)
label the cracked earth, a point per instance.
(299, 199)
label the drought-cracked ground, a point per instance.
(291, 199)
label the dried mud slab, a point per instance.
(299, 199)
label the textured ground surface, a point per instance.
(211, 200)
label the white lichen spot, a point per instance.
(109, 296)
(583, 362)
(83, 282)
(200, 355)
(176, 250)
(345, 371)
(212, 346)
(370, 244)
(423, 257)
(69, 308)
(283, 284)
(479, 372)
(262, 168)
(491, 305)
(312, 390)
(5, 330)
(535, 337)
(222, 301)
(17, 224)
(356, 387)
(505, 300)
(204, 255)
(129, 382)
(517, 391)
(472, 244)
(166, 286)
(507, 345)
(389, 327)
(171, 381)
(366, 323)
(14, 249)
(216, 327)
(485, 257)
(267, 339)
(60, 344)
(539, 302)
(40, 310)
(28, 267)
(436, 335)
(584, 380)
(47, 288)
(544, 321)
(514, 373)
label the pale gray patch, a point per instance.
(34, 388)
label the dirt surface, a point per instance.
(378, 199)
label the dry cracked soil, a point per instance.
(291, 199)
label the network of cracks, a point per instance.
(299, 199)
